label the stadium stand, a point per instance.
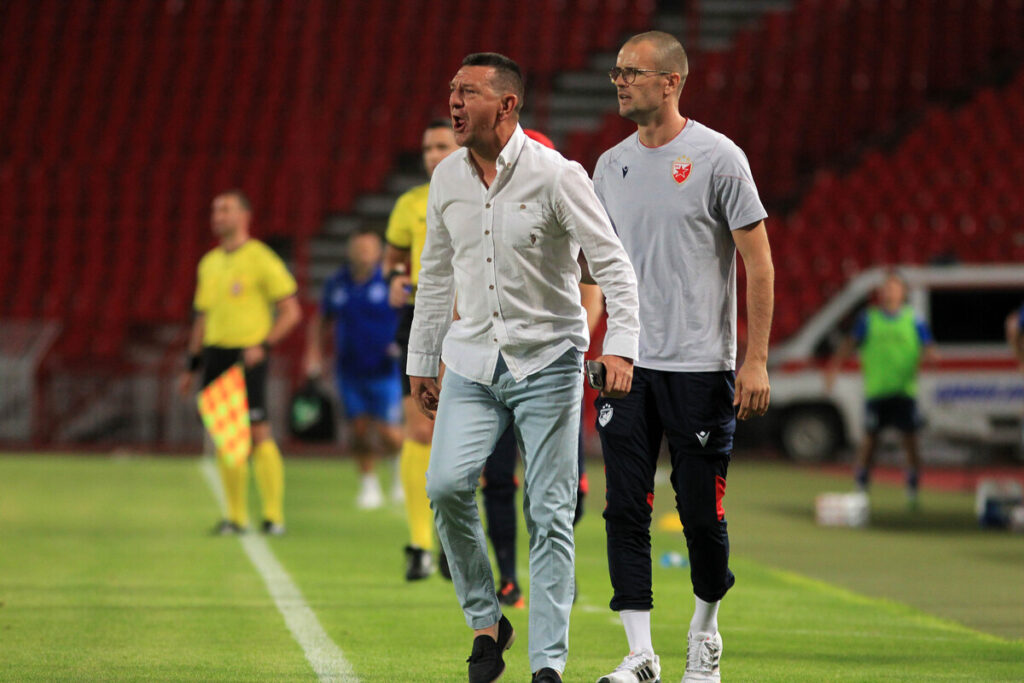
(801, 89)
(115, 142)
(946, 193)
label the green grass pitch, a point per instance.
(107, 573)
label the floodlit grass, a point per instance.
(106, 573)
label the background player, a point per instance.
(366, 358)
(892, 341)
(683, 201)
(245, 303)
(406, 233)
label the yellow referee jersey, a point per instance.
(407, 226)
(237, 291)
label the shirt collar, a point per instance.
(513, 147)
(509, 153)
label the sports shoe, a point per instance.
(510, 595)
(703, 652)
(637, 667)
(442, 565)
(370, 496)
(485, 663)
(418, 563)
(643, 666)
(546, 675)
(226, 527)
(272, 528)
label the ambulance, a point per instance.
(971, 398)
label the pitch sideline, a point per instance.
(323, 654)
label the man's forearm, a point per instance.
(314, 336)
(195, 338)
(288, 316)
(760, 307)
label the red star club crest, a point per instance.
(681, 169)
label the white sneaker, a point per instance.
(703, 652)
(642, 667)
(370, 496)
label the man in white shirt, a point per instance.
(683, 201)
(506, 220)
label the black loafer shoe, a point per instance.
(485, 663)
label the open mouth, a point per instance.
(458, 123)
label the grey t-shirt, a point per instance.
(674, 208)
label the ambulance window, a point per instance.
(972, 316)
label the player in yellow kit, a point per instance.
(407, 230)
(245, 303)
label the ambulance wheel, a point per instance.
(811, 434)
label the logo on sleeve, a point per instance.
(681, 168)
(605, 416)
(703, 438)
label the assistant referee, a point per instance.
(245, 303)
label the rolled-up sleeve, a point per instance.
(584, 217)
(435, 296)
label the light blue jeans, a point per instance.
(545, 408)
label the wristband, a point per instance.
(195, 362)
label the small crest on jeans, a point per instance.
(605, 415)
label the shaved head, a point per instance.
(669, 54)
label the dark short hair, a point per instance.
(243, 199)
(439, 123)
(508, 75)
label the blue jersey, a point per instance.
(365, 324)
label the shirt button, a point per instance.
(495, 339)
(487, 232)
(495, 314)
(522, 206)
(491, 287)
(487, 205)
(488, 259)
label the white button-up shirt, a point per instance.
(509, 255)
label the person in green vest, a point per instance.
(893, 342)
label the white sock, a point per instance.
(638, 629)
(705, 616)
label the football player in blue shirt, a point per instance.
(356, 300)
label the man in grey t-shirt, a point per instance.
(683, 201)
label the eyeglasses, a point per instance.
(629, 73)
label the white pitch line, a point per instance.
(326, 658)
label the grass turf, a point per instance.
(106, 574)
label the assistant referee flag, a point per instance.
(224, 407)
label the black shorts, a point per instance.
(898, 412)
(402, 339)
(217, 359)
